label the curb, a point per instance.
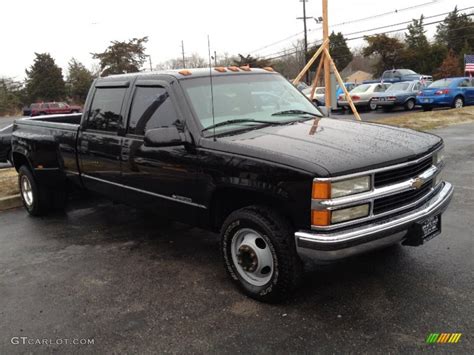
(10, 202)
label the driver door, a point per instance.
(159, 178)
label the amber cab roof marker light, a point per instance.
(185, 72)
(268, 69)
(220, 69)
(233, 68)
(245, 68)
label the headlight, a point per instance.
(438, 157)
(350, 213)
(350, 187)
(325, 217)
(326, 190)
(438, 178)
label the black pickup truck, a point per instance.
(248, 156)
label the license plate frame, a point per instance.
(424, 230)
(430, 227)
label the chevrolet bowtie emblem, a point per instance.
(417, 183)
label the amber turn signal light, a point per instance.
(321, 190)
(321, 218)
(220, 69)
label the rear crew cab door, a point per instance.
(100, 142)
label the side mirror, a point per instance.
(162, 137)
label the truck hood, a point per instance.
(338, 146)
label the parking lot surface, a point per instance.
(134, 284)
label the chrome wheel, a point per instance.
(26, 190)
(372, 105)
(458, 103)
(252, 257)
(410, 105)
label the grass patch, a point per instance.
(8, 182)
(424, 121)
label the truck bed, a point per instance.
(70, 119)
(52, 140)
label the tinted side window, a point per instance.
(151, 108)
(104, 114)
(464, 83)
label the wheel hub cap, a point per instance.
(26, 190)
(252, 257)
(247, 258)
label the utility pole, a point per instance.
(215, 58)
(327, 63)
(304, 18)
(151, 65)
(182, 51)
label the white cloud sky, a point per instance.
(76, 28)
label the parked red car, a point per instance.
(52, 108)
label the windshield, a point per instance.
(361, 88)
(249, 97)
(398, 87)
(406, 72)
(441, 83)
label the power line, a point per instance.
(396, 11)
(284, 52)
(386, 26)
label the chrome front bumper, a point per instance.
(336, 245)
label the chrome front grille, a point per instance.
(403, 173)
(394, 189)
(397, 201)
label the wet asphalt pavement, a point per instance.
(133, 284)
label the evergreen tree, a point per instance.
(253, 62)
(10, 96)
(45, 79)
(417, 53)
(416, 38)
(455, 30)
(122, 57)
(79, 80)
(339, 50)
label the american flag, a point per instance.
(469, 63)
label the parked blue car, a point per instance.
(349, 86)
(449, 92)
(321, 98)
(399, 94)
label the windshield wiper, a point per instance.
(295, 112)
(242, 120)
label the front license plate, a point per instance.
(430, 227)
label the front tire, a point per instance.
(409, 105)
(458, 102)
(372, 106)
(260, 253)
